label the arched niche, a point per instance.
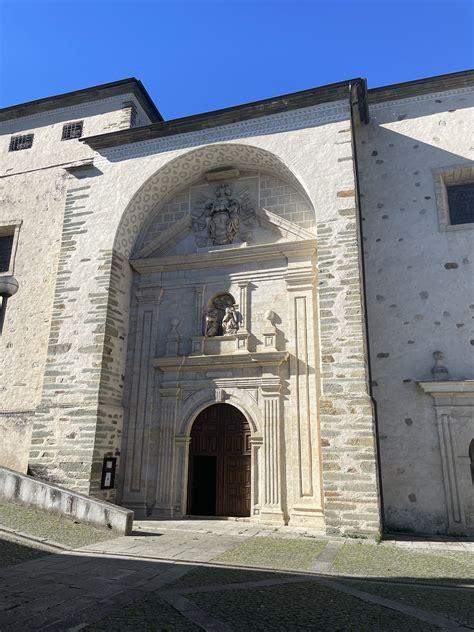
(185, 170)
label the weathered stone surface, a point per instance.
(83, 332)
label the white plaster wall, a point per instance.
(37, 199)
(48, 149)
(415, 304)
(33, 190)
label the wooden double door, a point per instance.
(219, 463)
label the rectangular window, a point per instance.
(21, 142)
(6, 247)
(72, 130)
(461, 203)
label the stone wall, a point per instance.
(37, 194)
(419, 290)
(108, 205)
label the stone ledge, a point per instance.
(44, 496)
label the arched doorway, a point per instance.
(219, 463)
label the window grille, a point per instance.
(21, 142)
(461, 203)
(72, 130)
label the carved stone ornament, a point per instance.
(217, 221)
(222, 317)
(439, 371)
(230, 322)
(172, 340)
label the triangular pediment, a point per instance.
(179, 238)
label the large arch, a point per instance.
(152, 195)
(200, 400)
(184, 170)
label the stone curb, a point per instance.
(19, 535)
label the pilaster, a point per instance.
(272, 509)
(164, 506)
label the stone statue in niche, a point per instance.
(222, 317)
(211, 325)
(220, 219)
(230, 322)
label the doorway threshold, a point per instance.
(231, 518)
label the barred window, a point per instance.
(461, 203)
(21, 142)
(72, 130)
(6, 246)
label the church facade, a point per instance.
(262, 312)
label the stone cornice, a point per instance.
(206, 362)
(229, 257)
(104, 93)
(457, 391)
(447, 386)
(420, 97)
(274, 123)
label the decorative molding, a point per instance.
(422, 97)
(233, 256)
(283, 226)
(452, 388)
(205, 362)
(167, 239)
(274, 123)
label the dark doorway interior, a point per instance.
(219, 463)
(203, 490)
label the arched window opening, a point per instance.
(221, 317)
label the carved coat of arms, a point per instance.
(220, 219)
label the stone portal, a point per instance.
(219, 463)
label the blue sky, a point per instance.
(196, 55)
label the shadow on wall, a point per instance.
(419, 300)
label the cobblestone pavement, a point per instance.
(175, 576)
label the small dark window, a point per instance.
(461, 203)
(21, 142)
(6, 245)
(72, 130)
